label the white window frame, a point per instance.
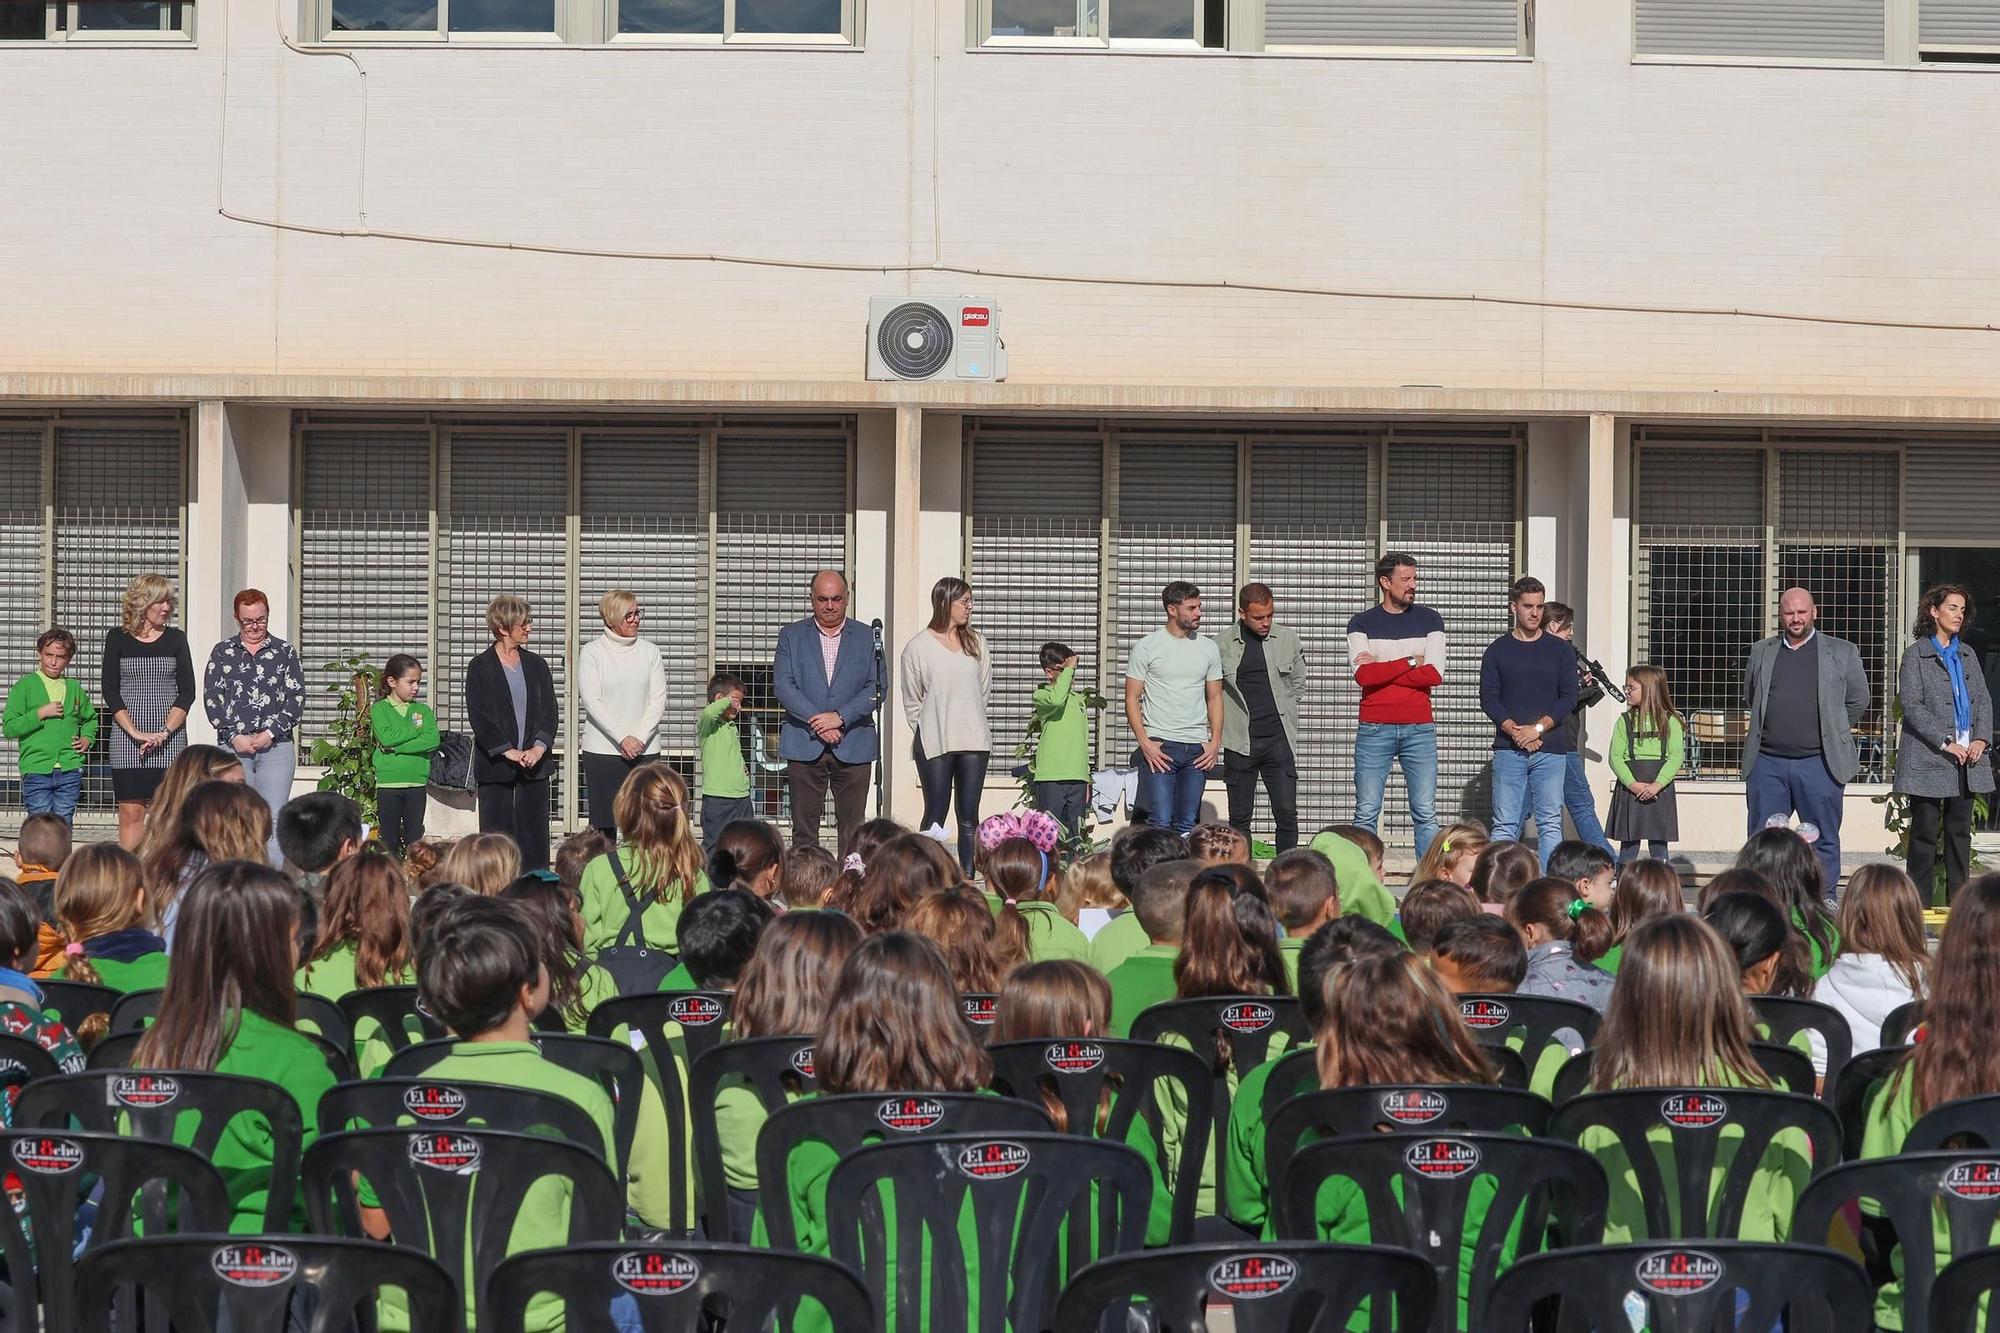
(848, 36)
(1245, 36)
(1901, 49)
(585, 23)
(67, 34)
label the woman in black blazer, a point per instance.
(510, 696)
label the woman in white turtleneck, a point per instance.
(623, 689)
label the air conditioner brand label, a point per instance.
(802, 1060)
(1694, 1110)
(1978, 1181)
(1074, 1057)
(1677, 1272)
(975, 317)
(254, 1265)
(978, 1008)
(655, 1272)
(1248, 1016)
(695, 1011)
(1484, 1014)
(48, 1156)
(1414, 1106)
(1441, 1159)
(456, 1153)
(434, 1101)
(144, 1092)
(1252, 1276)
(910, 1114)
(996, 1159)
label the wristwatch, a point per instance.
(1539, 729)
(1412, 661)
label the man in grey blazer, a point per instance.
(1806, 692)
(829, 683)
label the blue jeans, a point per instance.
(1173, 798)
(1529, 784)
(269, 773)
(1412, 744)
(1776, 786)
(1581, 803)
(52, 793)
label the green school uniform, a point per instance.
(266, 1050)
(331, 976)
(1051, 935)
(1361, 894)
(598, 986)
(1244, 1188)
(1629, 745)
(1141, 981)
(1890, 1117)
(45, 741)
(1118, 939)
(604, 909)
(679, 979)
(1611, 957)
(1062, 730)
(1289, 948)
(723, 772)
(406, 734)
(1822, 959)
(146, 972)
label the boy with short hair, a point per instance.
(1305, 895)
(1134, 851)
(1430, 907)
(1159, 901)
(1590, 868)
(809, 872)
(39, 854)
(1479, 955)
(718, 933)
(1060, 770)
(1357, 863)
(52, 717)
(725, 778)
(315, 832)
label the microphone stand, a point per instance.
(881, 738)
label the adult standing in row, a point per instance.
(148, 688)
(1941, 756)
(1396, 649)
(1805, 692)
(1578, 799)
(622, 687)
(1527, 685)
(510, 698)
(827, 679)
(1173, 703)
(1263, 669)
(947, 680)
(254, 692)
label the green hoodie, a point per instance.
(45, 741)
(1360, 892)
(405, 736)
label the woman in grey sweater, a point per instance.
(1941, 755)
(947, 680)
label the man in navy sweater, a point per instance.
(1527, 685)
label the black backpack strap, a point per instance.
(632, 933)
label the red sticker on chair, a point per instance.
(655, 1272)
(1677, 1272)
(996, 1159)
(978, 1009)
(254, 1265)
(1252, 1276)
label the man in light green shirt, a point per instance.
(725, 779)
(1173, 703)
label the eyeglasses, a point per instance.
(259, 623)
(634, 614)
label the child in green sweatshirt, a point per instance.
(406, 735)
(725, 779)
(1061, 768)
(53, 719)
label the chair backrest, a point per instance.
(74, 1001)
(118, 1050)
(22, 1062)
(847, 1123)
(980, 1230)
(1960, 1295)
(160, 1186)
(1784, 1018)
(1268, 1287)
(392, 1008)
(1901, 1022)
(1693, 1204)
(212, 1283)
(775, 1069)
(1448, 1108)
(319, 1015)
(386, 1103)
(1861, 1081)
(1789, 1068)
(1080, 1071)
(617, 1068)
(1418, 1191)
(676, 1027)
(1536, 1019)
(1967, 1123)
(978, 1008)
(700, 1017)
(134, 1008)
(1722, 1284)
(669, 1288)
(461, 1189)
(155, 1105)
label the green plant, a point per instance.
(346, 754)
(1081, 844)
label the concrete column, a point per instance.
(908, 605)
(1604, 598)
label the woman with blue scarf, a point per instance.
(1941, 758)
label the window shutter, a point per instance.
(1785, 29)
(1467, 25)
(1953, 491)
(1958, 24)
(21, 564)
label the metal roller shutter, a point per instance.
(1454, 506)
(1311, 539)
(1033, 562)
(1953, 491)
(119, 494)
(364, 556)
(21, 589)
(644, 528)
(1787, 29)
(1464, 25)
(1972, 25)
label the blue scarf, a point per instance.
(1961, 697)
(20, 981)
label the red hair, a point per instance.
(249, 597)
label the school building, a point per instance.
(388, 306)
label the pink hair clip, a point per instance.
(73, 949)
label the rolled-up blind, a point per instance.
(1467, 25)
(1781, 29)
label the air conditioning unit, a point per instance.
(957, 339)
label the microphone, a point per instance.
(875, 626)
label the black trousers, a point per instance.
(1943, 820)
(603, 775)
(521, 811)
(1064, 801)
(1272, 761)
(401, 810)
(962, 772)
(810, 780)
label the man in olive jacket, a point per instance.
(1263, 669)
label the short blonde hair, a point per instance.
(141, 594)
(614, 605)
(483, 862)
(504, 612)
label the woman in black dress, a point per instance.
(510, 698)
(148, 687)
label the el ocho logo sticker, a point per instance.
(978, 1009)
(456, 1153)
(254, 1265)
(434, 1101)
(1441, 1159)
(1073, 1057)
(910, 1114)
(1694, 1110)
(802, 1060)
(1976, 1181)
(144, 1092)
(1414, 1106)
(1252, 1276)
(1248, 1016)
(1484, 1015)
(996, 1159)
(695, 1011)
(1677, 1272)
(655, 1272)
(48, 1156)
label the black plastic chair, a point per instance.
(1784, 1018)
(1694, 1120)
(614, 1066)
(1861, 1081)
(151, 1105)
(388, 1103)
(74, 1001)
(676, 1287)
(1722, 1284)
(1079, 1070)
(889, 1201)
(1417, 1189)
(1961, 1289)
(132, 1010)
(776, 1070)
(1272, 1287)
(677, 1027)
(118, 1050)
(1535, 1018)
(202, 1284)
(1790, 1069)
(1449, 1108)
(978, 1008)
(848, 1123)
(1901, 1022)
(1967, 1123)
(22, 1062)
(702, 1016)
(393, 1008)
(460, 1189)
(157, 1185)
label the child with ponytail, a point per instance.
(100, 906)
(406, 736)
(1229, 942)
(1017, 856)
(1565, 936)
(982, 948)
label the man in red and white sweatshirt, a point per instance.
(1397, 651)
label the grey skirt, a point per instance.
(1634, 820)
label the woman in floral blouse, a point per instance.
(255, 694)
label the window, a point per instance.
(1894, 32)
(587, 22)
(96, 20)
(1459, 27)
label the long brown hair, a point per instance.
(660, 853)
(100, 889)
(943, 593)
(1960, 1053)
(982, 948)
(551, 916)
(1390, 1020)
(483, 862)
(237, 951)
(1655, 711)
(1057, 998)
(1447, 846)
(1017, 870)
(870, 838)
(1502, 868)
(782, 991)
(1677, 1016)
(1553, 905)
(892, 1023)
(221, 821)
(901, 871)
(1229, 945)
(367, 905)
(190, 768)
(1881, 913)
(1646, 888)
